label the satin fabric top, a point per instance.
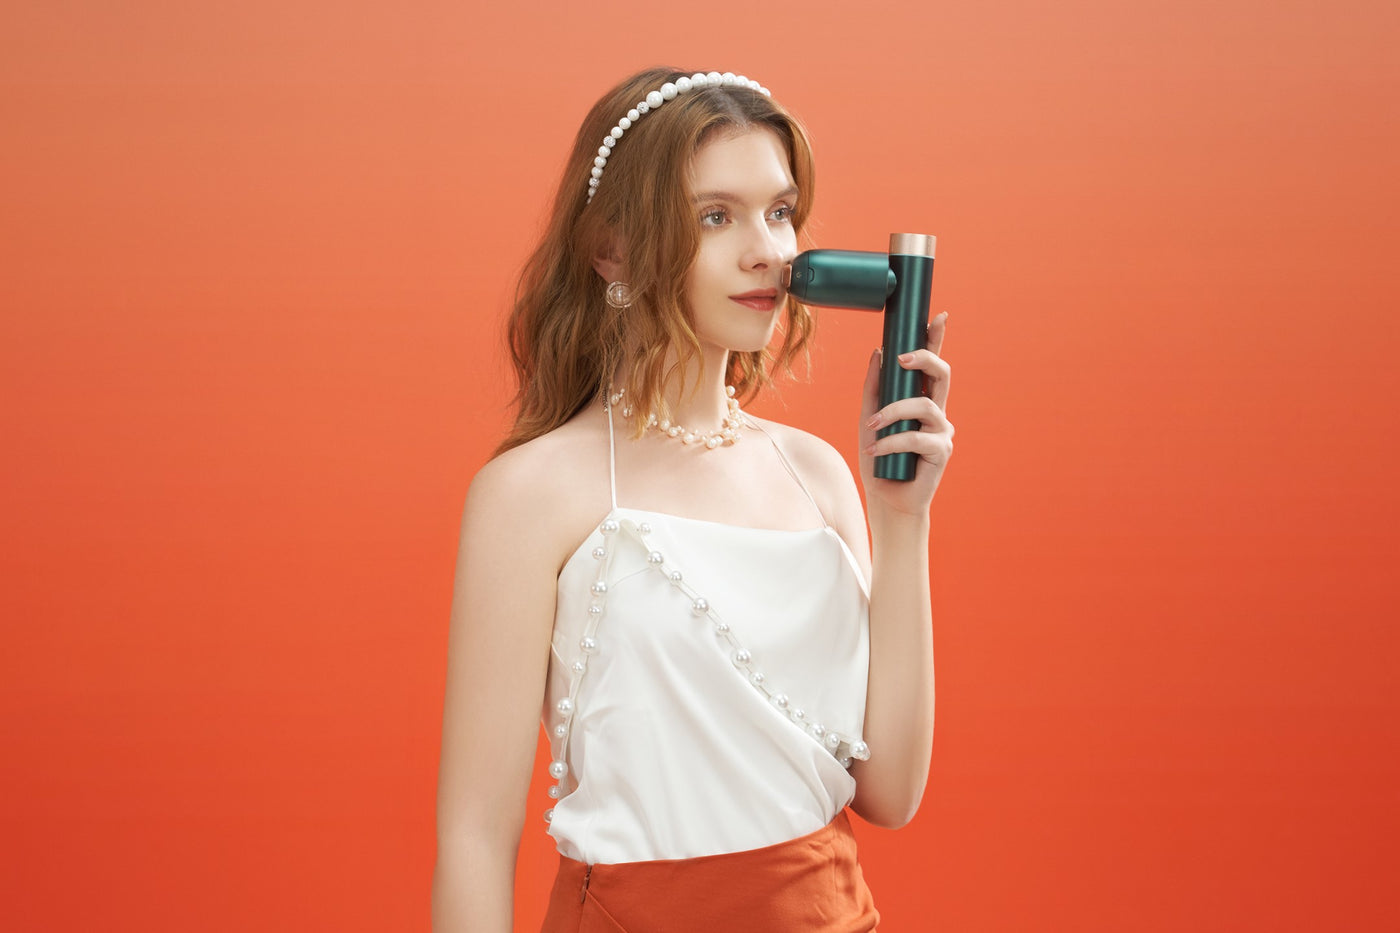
(712, 679)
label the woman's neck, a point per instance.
(703, 403)
(704, 407)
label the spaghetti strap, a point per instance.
(782, 458)
(612, 456)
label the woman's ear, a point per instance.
(608, 261)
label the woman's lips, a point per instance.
(763, 299)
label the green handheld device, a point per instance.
(899, 283)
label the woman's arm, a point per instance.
(497, 660)
(900, 698)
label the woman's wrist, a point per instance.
(885, 520)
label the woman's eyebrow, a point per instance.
(785, 194)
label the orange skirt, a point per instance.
(812, 883)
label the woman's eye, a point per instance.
(714, 218)
(781, 214)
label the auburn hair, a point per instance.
(567, 345)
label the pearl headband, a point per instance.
(656, 98)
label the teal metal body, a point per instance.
(900, 283)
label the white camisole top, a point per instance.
(706, 686)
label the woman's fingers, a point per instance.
(928, 410)
(936, 328)
(870, 396)
(937, 372)
(937, 375)
(921, 408)
(931, 441)
(935, 446)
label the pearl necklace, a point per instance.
(727, 434)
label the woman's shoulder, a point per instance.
(557, 483)
(820, 465)
(803, 448)
(830, 481)
(526, 465)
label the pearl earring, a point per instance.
(618, 295)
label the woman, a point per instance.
(680, 586)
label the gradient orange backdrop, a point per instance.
(254, 261)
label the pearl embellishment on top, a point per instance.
(843, 748)
(588, 645)
(833, 741)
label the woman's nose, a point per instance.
(766, 250)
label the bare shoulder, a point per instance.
(813, 457)
(555, 485)
(821, 467)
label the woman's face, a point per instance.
(743, 198)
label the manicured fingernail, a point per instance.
(869, 451)
(874, 421)
(906, 357)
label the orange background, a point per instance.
(255, 260)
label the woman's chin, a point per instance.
(752, 342)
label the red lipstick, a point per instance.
(760, 299)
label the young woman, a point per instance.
(687, 591)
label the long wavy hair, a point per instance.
(567, 345)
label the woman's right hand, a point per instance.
(932, 442)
